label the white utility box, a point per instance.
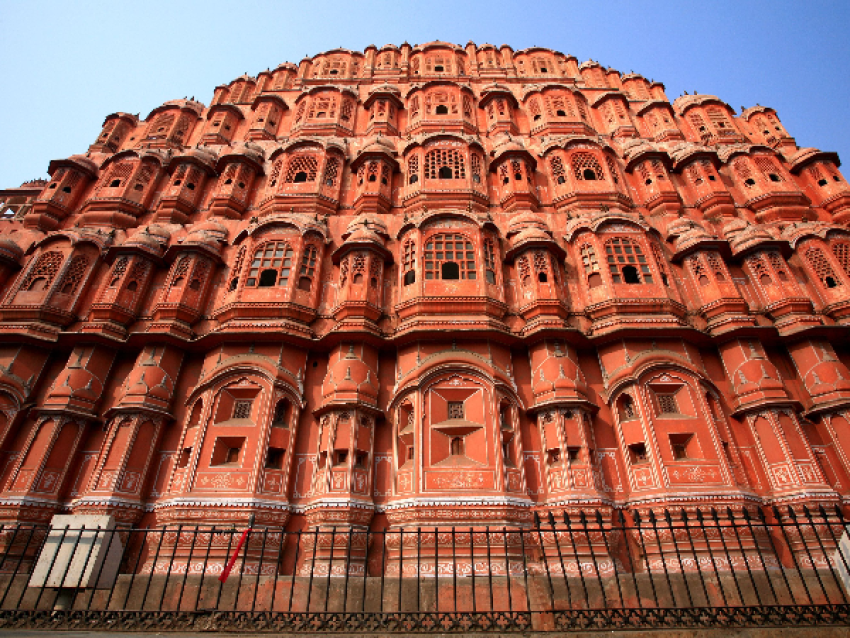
(79, 550)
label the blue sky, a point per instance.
(66, 65)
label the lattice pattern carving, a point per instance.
(449, 158)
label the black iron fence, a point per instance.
(698, 568)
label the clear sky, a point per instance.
(66, 65)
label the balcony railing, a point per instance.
(700, 568)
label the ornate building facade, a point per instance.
(426, 285)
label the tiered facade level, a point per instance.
(426, 285)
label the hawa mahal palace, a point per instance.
(426, 285)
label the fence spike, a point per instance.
(776, 513)
(566, 519)
(599, 518)
(684, 515)
(551, 519)
(636, 517)
(652, 518)
(582, 518)
(792, 513)
(839, 513)
(667, 517)
(746, 514)
(730, 514)
(536, 520)
(622, 518)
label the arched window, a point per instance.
(271, 265)
(301, 169)
(586, 167)
(280, 419)
(449, 257)
(820, 264)
(442, 109)
(627, 262)
(445, 163)
(409, 262)
(308, 268)
(591, 266)
(626, 408)
(457, 447)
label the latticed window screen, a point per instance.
(441, 249)
(331, 172)
(138, 273)
(841, 250)
(159, 127)
(409, 255)
(119, 268)
(524, 269)
(584, 162)
(582, 110)
(534, 108)
(306, 165)
(274, 256)
(667, 403)
(180, 271)
(778, 265)
(760, 269)
(612, 168)
(346, 110)
(413, 168)
(455, 409)
(120, 172)
(308, 268)
(715, 263)
(343, 271)
(698, 270)
(489, 254)
(558, 173)
(490, 261)
(45, 268)
(588, 259)
(823, 269)
(623, 253)
(74, 275)
(767, 167)
(323, 108)
(444, 158)
(541, 264)
(559, 106)
(475, 165)
(242, 409)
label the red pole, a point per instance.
(227, 568)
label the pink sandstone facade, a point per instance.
(426, 285)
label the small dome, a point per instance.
(10, 250)
(555, 376)
(525, 221)
(350, 379)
